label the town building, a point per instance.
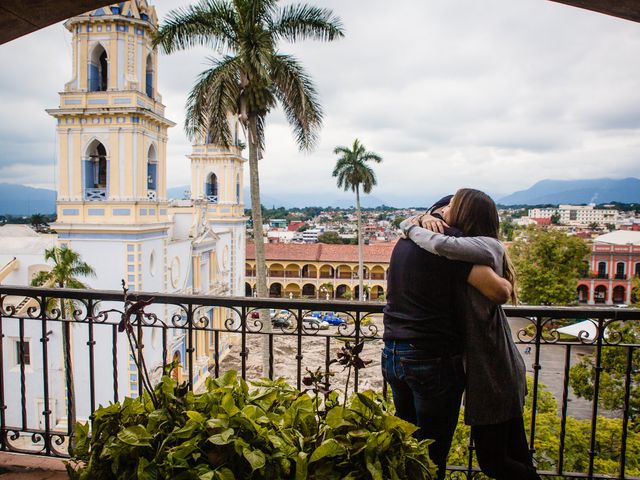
(320, 270)
(577, 215)
(311, 235)
(615, 260)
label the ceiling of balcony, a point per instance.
(19, 17)
(627, 9)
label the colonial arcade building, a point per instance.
(614, 262)
(322, 271)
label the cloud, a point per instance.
(495, 94)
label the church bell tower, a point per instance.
(111, 142)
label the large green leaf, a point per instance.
(255, 458)
(222, 438)
(328, 448)
(136, 436)
(336, 418)
(225, 474)
(301, 466)
(230, 377)
(229, 405)
(391, 422)
(196, 416)
(147, 470)
(374, 467)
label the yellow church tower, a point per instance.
(112, 136)
(217, 200)
(112, 133)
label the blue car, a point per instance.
(330, 317)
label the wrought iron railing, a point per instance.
(210, 335)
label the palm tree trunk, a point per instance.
(68, 370)
(258, 239)
(360, 246)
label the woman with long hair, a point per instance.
(495, 372)
(422, 358)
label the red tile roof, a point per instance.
(542, 221)
(322, 252)
(294, 226)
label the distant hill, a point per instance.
(599, 190)
(20, 200)
(291, 200)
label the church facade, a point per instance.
(112, 205)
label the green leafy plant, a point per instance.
(230, 431)
(270, 431)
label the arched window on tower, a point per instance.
(238, 189)
(95, 172)
(98, 70)
(211, 188)
(152, 173)
(149, 76)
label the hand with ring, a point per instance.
(432, 223)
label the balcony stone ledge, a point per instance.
(31, 467)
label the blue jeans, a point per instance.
(427, 392)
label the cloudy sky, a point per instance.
(495, 95)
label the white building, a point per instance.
(311, 235)
(577, 215)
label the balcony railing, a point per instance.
(210, 335)
(339, 276)
(95, 194)
(621, 276)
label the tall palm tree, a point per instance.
(67, 267)
(353, 173)
(248, 77)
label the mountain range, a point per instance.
(23, 200)
(598, 190)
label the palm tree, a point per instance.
(67, 267)
(352, 173)
(249, 77)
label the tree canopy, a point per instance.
(329, 237)
(549, 264)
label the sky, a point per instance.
(494, 95)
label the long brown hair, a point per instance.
(476, 214)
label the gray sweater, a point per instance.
(496, 381)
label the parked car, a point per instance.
(282, 318)
(330, 317)
(314, 322)
(280, 321)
